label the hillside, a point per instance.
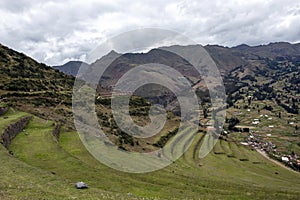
(263, 79)
(47, 93)
(46, 157)
(34, 87)
(238, 65)
(230, 171)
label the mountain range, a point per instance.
(239, 66)
(226, 58)
(42, 155)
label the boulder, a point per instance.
(81, 185)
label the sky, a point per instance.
(55, 32)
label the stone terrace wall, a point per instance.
(12, 130)
(55, 132)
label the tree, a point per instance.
(232, 122)
(249, 101)
(205, 112)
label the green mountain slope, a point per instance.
(34, 87)
(37, 166)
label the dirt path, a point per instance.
(275, 161)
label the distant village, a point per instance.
(257, 141)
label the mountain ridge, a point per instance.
(226, 58)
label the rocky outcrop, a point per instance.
(12, 131)
(3, 111)
(55, 132)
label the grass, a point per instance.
(44, 169)
(36, 178)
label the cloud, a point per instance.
(58, 31)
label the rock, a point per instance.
(81, 185)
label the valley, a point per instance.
(47, 157)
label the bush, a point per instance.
(3, 105)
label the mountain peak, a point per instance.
(113, 52)
(242, 47)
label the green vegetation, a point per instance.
(41, 167)
(34, 87)
(272, 99)
(37, 166)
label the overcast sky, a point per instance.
(56, 31)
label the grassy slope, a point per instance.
(61, 165)
(21, 180)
